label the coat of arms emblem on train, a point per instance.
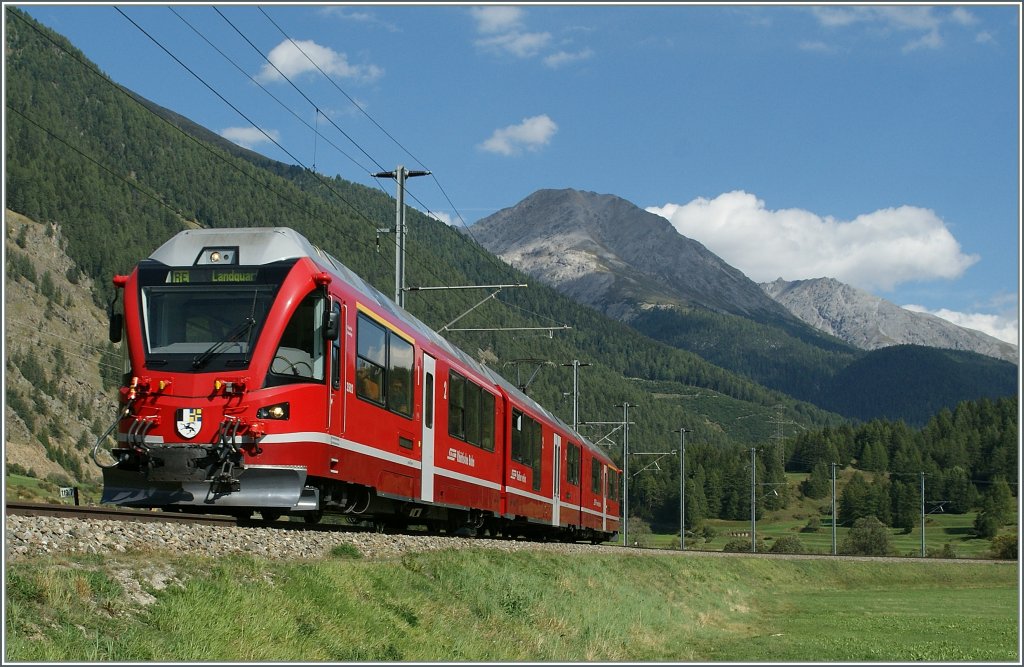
(189, 421)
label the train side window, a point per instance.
(613, 485)
(400, 361)
(487, 421)
(472, 413)
(302, 350)
(595, 476)
(536, 448)
(518, 437)
(384, 363)
(428, 404)
(371, 357)
(457, 405)
(572, 464)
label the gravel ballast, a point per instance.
(29, 536)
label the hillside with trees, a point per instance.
(112, 177)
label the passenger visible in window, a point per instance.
(368, 383)
(398, 398)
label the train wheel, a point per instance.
(269, 516)
(313, 517)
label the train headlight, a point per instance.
(217, 255)
(279, 411)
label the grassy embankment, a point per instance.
(479, 605)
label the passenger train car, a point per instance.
(265, 376)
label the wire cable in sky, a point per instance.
(264, 89)
(381, 128)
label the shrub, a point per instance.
(986, 525)
(639, 532)
(1005, 547)
(59, 479)
(813, 525)
(737, 546)
(788, 544)
(868, 537)
(742, 545)
(16, 469)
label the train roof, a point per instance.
(265, 245)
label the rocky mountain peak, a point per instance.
(610, 254)
(870, 322)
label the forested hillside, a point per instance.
(114, 178)
(967, 457)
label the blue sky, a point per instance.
(876, 145)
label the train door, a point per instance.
(604, 495)
(427, 450)
(336, 399)
(557, 484)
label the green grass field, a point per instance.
(488, 606)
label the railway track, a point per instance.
(113, 514)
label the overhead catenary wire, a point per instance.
(212, 89)
(226, 57)
(297, 89)
(242, 114)
(102, 77)
(390, 136)
(188, 136)
(425, 265)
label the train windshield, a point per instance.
(192, 323)
(203, 328)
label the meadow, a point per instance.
(484, 605)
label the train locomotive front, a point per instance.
(227, 335)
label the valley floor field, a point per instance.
(476, 605)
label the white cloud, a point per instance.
(984, 37)
(874, 251)
(816, 46)
(931, 40)
(521, 45)
(502, 29)
(894, 18)
(249, 137)
(531, 134)
(963, 17)
(442, 216)
(556, 60)
(926, 21)
(497, 19)
(1004, 326)
(291, 60)
(365, 18)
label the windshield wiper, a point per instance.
(235, 334)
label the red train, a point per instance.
(265, 376)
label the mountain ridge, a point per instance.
(870, 322)
(632, 265)
(608, 253)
